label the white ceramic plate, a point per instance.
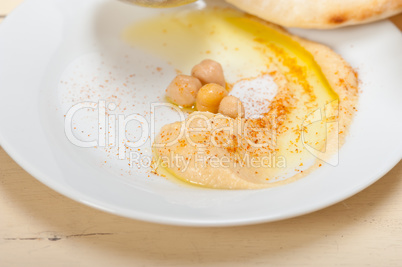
(47, 45)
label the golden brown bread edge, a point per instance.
(323, 14)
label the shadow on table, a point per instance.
(73, 222)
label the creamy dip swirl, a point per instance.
(299, 129)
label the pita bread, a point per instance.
(322, 14)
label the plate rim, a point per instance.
(161, 219)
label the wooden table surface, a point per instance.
(39, 227)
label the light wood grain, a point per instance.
(39, 227)
(44, 226)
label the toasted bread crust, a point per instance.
(323, 14)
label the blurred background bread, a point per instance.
(319, 14)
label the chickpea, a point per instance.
(209, 71)
(183, 90)
(232, 107)
(209, 97)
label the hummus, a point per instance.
(299, 129)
